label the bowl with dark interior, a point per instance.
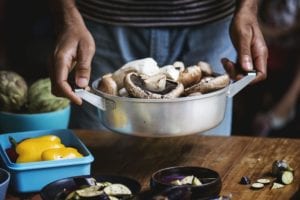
(83, 186)
(4, 182)
(201, 182)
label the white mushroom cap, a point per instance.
(205, 68)
(170, 71)
(147, 66)
(179, 66)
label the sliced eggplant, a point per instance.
(91, 191)
(286, 177)
(188, 180)
(117, 190)
(245, 180)
(263, 181)
(277, 186)
(257, 185)
(280, 165)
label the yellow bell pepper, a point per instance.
(30, 150)
(60, 153)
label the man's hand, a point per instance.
(74, 50)
(249, 43)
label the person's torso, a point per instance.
(155, 13)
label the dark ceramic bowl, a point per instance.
(55, 189)
(211, 181)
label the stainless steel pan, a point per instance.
(163, 117)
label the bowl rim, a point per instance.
(218, 92)
(36, 114)
(7, 176)
(155, 179)
(136, 183)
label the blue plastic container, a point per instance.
(33, 176)
(14, 122)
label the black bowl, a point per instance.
(55, 189)
(211, 181)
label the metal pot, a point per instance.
(163, 117)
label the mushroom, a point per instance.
(205, 68)
(108, 85)
(156, 83)
(147, 66)
(123, 92)
(208, 84)
(136, 87)
(190, 76)
(170, 71)
(179, 66)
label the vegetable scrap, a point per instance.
(245, 180)
(281, 171)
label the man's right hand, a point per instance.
(74, 50)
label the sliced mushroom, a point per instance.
(136, 87)
(156, 83)
(208, 85)
(108, 85)
(205, 68)
(147, 66)
(190, 76)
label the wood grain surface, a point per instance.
(231, 157)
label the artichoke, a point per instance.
(40, 98)
(13, 91)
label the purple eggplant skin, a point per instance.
(280, 165)
(245, 180)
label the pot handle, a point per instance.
(95, 100)
(240, 84)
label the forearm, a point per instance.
(65, 12)
(247, 5)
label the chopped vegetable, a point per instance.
(42, 148)
(99, 191)
(91, 191)
(280, 165)
(277, 186)
(286, 177)
(117, 190)
(245, 180)
(263, 180)
(257, 185)
(188, 180)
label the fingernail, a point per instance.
(82, 82)
(248, 63)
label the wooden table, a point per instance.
(232, 157)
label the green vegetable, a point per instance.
(40, 98)
(13, 91)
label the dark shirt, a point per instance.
(150, 13)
